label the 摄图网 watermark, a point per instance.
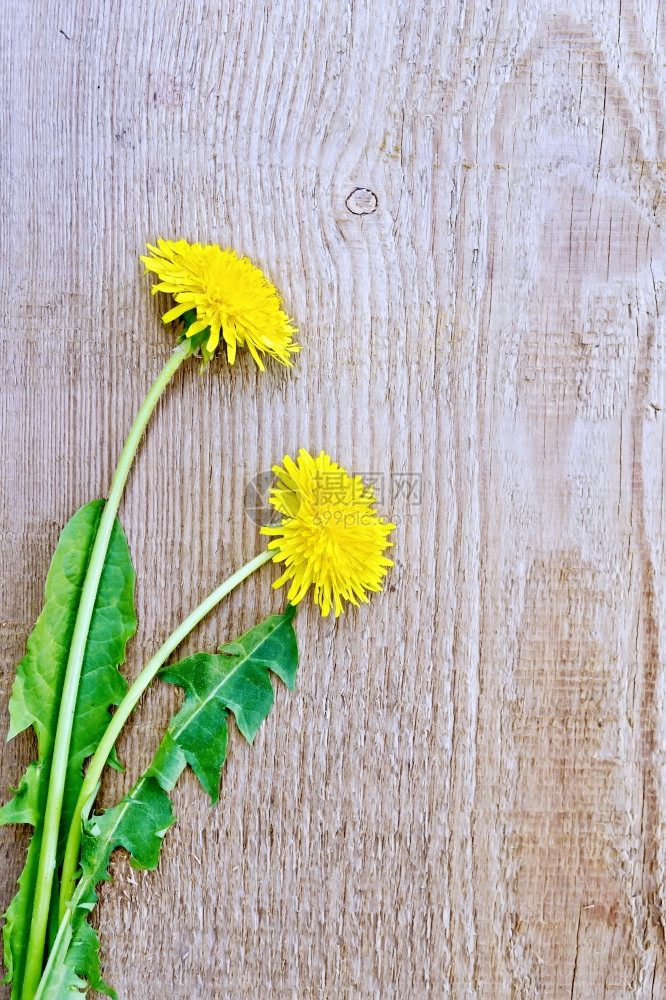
(397, 494)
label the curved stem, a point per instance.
(47, 857)
(122, 713)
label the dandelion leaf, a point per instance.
(37, 691)
(237, 680)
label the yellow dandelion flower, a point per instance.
(226, 296)
(330, 536)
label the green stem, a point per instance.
(122, 713)
(47, 857)
(58, 943)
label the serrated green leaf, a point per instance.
(72, 952)
(59, 980)
(83, 956)
(138, 823)
(235, 679)
(36, 693)
(62, 984)
(17, 917)
(113, 761)
(23, 807)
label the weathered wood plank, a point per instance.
(463, 208)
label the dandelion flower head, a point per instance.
(330, 537)
(222, 298)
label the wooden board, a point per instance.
(462, 205)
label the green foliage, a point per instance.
(17, 917)
(138, 823)
(83, 954)
(237, 680)
(36, 694)
(198, 341)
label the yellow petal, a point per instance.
(176, 312)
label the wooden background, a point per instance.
(466, 796)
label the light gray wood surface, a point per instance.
(465, 797)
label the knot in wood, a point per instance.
(361, 201)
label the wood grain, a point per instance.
(463, 208)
